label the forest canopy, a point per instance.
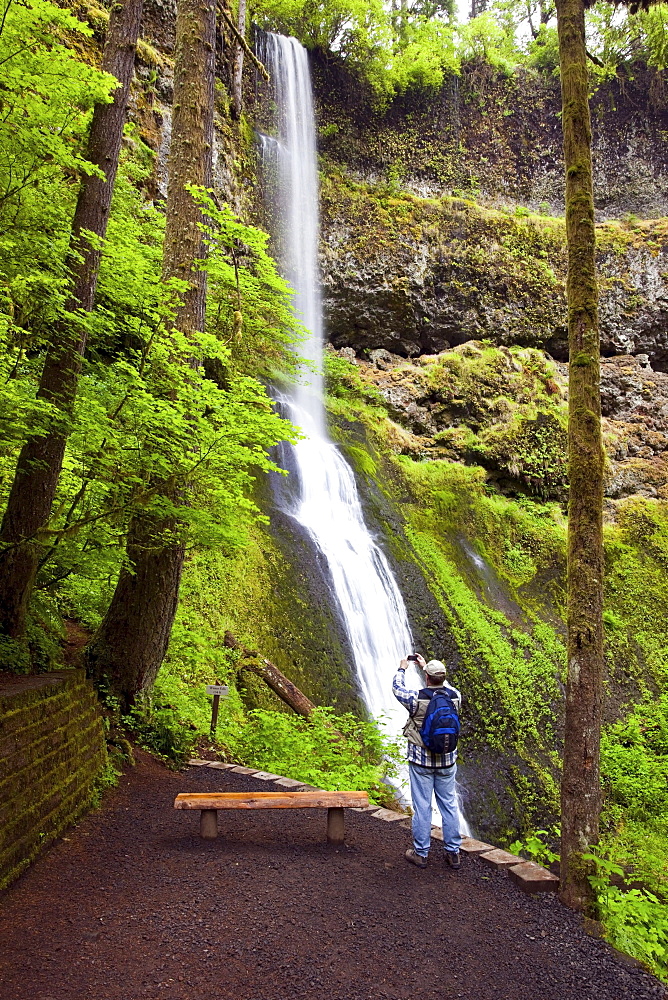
(409, 45)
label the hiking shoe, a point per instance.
(415, 859)
(452, 857)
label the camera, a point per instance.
(412, 657)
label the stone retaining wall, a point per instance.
(52, 749)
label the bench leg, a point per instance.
(208, 824)
(335, 825)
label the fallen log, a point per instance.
(272, 676)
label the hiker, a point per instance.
(431, 772)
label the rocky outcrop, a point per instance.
(505, 410)
(634, 401)
(418, 276)
(498, 137)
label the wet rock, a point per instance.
(439, 275)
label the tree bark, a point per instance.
(135, 633)
(580, 789)
(239, 62)
(41, 458)
(273, 677)
(138, 622)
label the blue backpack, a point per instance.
(440, 727)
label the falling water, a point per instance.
(327, 504)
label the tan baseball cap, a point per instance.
(435, 668)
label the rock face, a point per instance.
(505, 410)
(498, 138)
(634, 402)
(416, 276)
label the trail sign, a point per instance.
(218, 691)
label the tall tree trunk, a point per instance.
(580, 789)
(131, 642)
(239, 62)
(135, 632)
(39, 464)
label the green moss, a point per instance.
(360, 459)
(51, 738)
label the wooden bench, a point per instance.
(210, 802)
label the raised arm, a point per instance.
(406, 696)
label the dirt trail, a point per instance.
(134, 905)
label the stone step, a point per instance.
(531, 877)
(389, 815)
(500, 859)
(472, 846)
(292, 783)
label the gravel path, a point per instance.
(132, 904)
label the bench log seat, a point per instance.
(210, 802)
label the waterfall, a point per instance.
(327, 503)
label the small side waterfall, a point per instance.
(327, 503)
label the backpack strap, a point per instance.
(426, 694)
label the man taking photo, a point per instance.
(431, 731)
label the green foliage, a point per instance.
(634, 761)
(161, 730)
(544, 50)
(107, 778)
(534, 846)
(392, 53)
(357, 29)
(47, 94)
(418, 46)
(637, 586)
(650, 28)
(153, 405)
(329, 751)
(634, 772)
(150, 406)
(484, 38)
(635, 920)
(425, 54)
(249, 304)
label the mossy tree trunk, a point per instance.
(238, 71)
(132, 640)
(41, 459)
(580, 789)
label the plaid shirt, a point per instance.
(409, 699)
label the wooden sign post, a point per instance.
(218, 691)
